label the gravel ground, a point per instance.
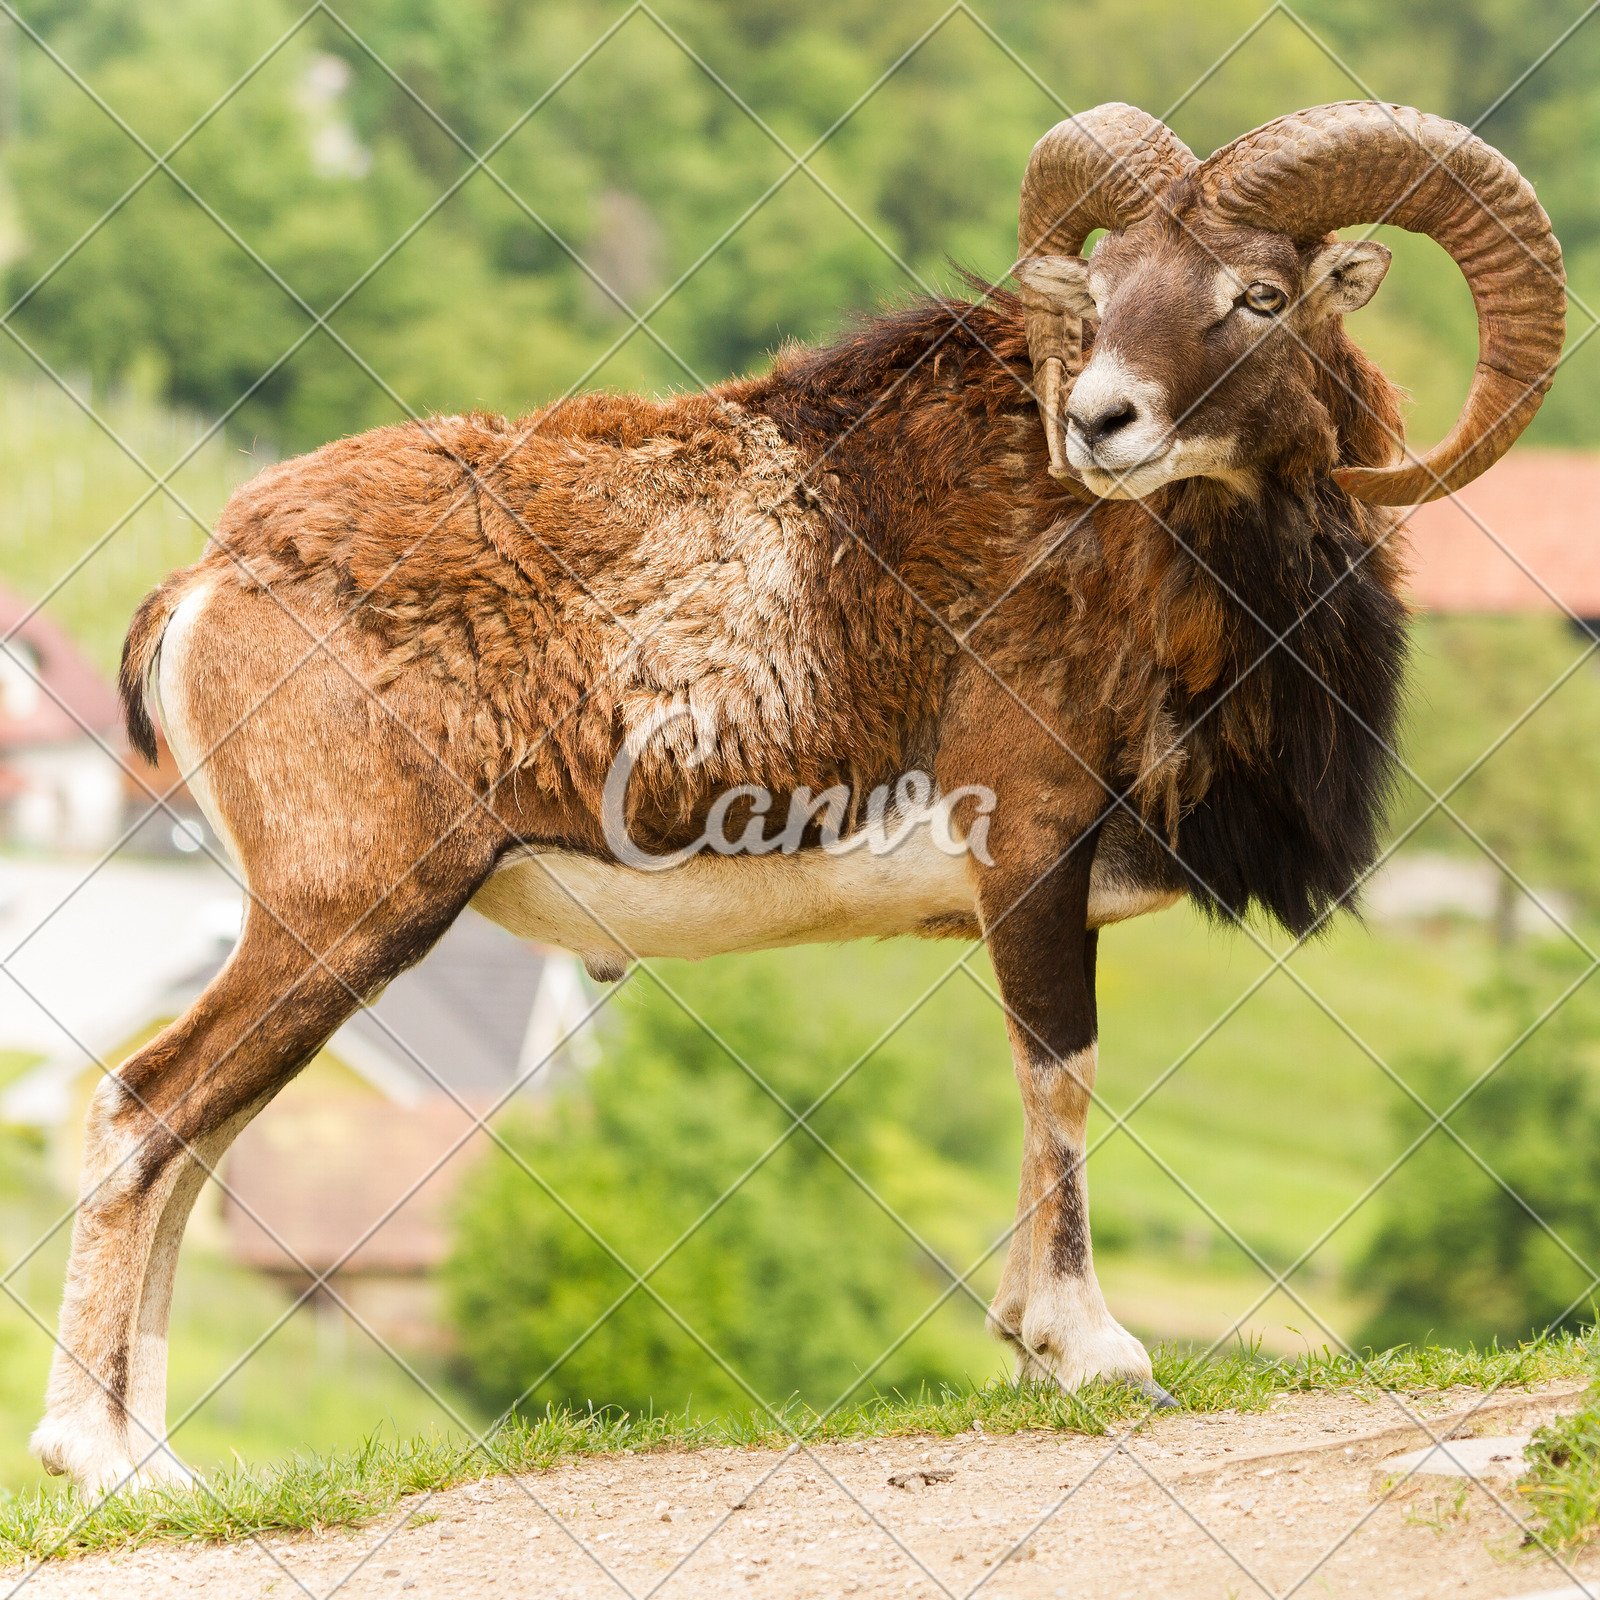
(1211, 1506)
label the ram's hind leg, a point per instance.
(156, 1128)
(358, 852)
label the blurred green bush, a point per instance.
(794, 1284)
(1495, 1233)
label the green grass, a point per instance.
(1277, 1120)
(1564, 1485)
(310, 1492)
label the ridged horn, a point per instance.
(1357, 162)
(1104, 168)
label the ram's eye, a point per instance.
(1266, 298)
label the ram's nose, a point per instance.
(1101, 419)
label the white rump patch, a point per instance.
(170, 683)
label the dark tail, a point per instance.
(138, 657)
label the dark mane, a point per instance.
(1299, 735)
(821, 389)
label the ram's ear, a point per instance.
(1056, 283)
(1343, 277)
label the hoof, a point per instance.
(94, 1454)
(1074, 1350)
(1158, 1397)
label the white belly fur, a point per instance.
(716, 904)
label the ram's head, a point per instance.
(1207, 301)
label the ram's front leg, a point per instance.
(1034, 916)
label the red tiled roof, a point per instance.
(74, 694)
(1544, 508)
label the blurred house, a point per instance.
(1523, 537)
(67, 782)
(358, 1189)
(353, 1167)
(159, 814)
(60, 726)
(359, 1186)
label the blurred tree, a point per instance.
(644, 160)
(796, 1283)
(1459, 1256)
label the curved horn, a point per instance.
(1104, 168)
(1338, 165)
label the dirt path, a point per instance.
(1202, 1506)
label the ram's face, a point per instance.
(1200, 364)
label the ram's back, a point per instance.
(527, 595)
